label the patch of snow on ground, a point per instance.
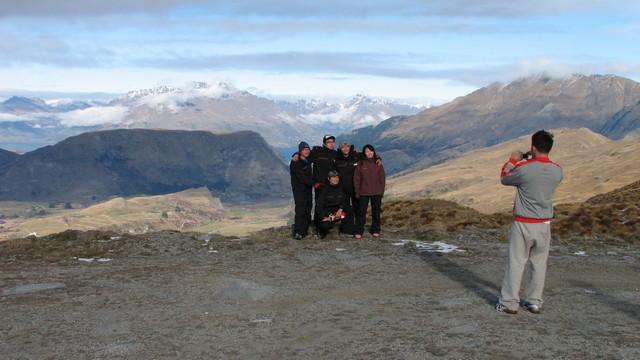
(29, 288)
(437, 247)
(102, 260)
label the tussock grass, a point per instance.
(613, 215)
(436, 215)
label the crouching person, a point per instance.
(301, 184)
(330, 204)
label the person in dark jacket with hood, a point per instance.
(301, 185)
(346, 163)
(369, 183)
(330, 204)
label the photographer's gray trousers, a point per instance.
(528, 244)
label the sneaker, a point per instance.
(376, 235)
(298, 236)
(503, 309)
(532, 308)
(357, 236)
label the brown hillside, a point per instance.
(614, 214)
(179, 211)
(592, 165)
(611, 216)
(436, 215)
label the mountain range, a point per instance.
(95, 166)
(28, 123)
(7, 156)
(605, 104)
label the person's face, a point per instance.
(305, 152)
(346, 149)
(334, 180)
(330, 144)
(368, 153)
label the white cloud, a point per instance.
(306, 8)
(170, 97)
(8, 117)
(94, 116)
(556, 68)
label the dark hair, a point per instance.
(543, 141)
(370, 147)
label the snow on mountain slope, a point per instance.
(217, 107)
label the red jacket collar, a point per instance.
(541, 159)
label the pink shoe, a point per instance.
(357, 236)
(376, 235)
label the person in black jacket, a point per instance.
(323, 159)
(346, 162)
(301, 185)
(330, 204)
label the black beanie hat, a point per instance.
(327, 137)
(303, 145)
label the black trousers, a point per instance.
(302, 219)
(363, 204)
(348, 225)
(324, 227)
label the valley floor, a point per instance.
(265, 297)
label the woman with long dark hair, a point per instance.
(369, 182)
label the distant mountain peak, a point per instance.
(19, 100)
(138, 94)
(23, 104)
(219, 85)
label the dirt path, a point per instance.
(286, 299)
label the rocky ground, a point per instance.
(172, 295)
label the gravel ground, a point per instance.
(174, 295)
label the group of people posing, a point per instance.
(346, 181)
(343, 183)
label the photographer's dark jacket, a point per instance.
(330, 199)
(535, 180)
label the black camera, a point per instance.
(527, 156)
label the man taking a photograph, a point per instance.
(535, 180)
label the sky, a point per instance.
(420, 51)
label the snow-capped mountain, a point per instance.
(170, 97)
(354, 113)
(217, 107)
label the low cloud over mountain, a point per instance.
(27, 123)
